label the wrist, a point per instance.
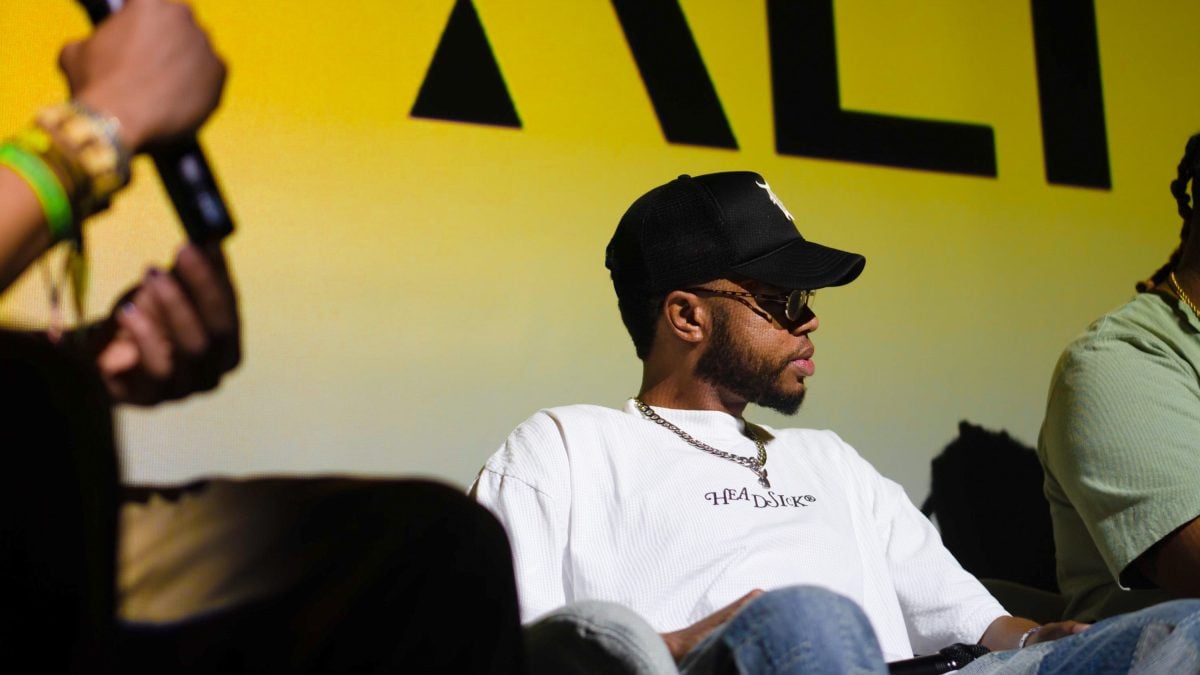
(1026, 636)
(129, 128)
(89, 147)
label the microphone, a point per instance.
(182, 167)
(951, 658)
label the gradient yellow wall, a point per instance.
(413, 289)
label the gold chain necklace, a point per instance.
(1183, 296)
(756, 464)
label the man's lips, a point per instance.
(803, 362)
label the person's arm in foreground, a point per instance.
(150, 67)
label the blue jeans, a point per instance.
(810, 630)
(592, 636)
(792, 630)
(1164, 638)
(799, 629)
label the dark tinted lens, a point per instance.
(796, 302)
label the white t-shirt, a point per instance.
(605, 504)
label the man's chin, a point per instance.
(784, 404)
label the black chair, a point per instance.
(986, 496)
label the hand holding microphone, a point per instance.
(947, 660)
(152, 67)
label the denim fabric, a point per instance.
(800, 629)
(811, 630)
(590, 637)
(1160, 639)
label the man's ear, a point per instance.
(685, 317)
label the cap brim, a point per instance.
(804, 265)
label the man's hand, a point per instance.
(151, 67)
(1055, 631)
(682, 641)
(175, 334)
(1006, 631)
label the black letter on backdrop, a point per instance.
(809, 120)
(464, 83)
(1074, 139)
(674, 73)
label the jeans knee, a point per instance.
(797, 629)
(595, 636)
(811, 602)
(595, 612)
(603, 622)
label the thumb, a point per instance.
(727, 612)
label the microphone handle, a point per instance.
(183, 168)
(950, 658)
(935, 664)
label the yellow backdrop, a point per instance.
(414, 288)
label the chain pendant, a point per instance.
(762, 479)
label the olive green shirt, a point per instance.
(1120, 448)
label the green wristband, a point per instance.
(46, 186)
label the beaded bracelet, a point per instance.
(73, 160)
(37, 141)
(90, 143)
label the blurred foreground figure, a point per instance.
(321, 575)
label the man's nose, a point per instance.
(807, 322)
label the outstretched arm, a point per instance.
(23, 231)
(151, 68)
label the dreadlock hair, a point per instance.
(1186, 173)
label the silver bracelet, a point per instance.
(1026, 635)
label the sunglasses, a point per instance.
(793, 303)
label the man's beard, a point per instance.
(728, 365)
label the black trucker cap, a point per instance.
(696, 229)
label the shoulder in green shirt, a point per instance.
(1119, 446)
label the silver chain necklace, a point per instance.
(756, 464)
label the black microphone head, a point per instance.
(962, 654)
(97, 10)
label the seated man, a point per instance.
(1120, 437)
(678, 508)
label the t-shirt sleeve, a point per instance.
(523, 484)
(1120, 438)
(941, 603)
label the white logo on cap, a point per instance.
(775, 200)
